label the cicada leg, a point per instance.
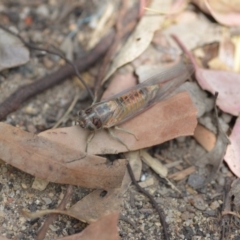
(117, 138)
(126, 131)
(89, 139)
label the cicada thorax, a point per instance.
(88, 119)
(95, 117)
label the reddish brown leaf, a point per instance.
(205, 137)
(166, 120)
(104, 229)
(96, 205)
(57, 162)
(226, 83)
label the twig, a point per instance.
(33, 47)
(185, 50)
(42, 232)
(68, 111)
(25, 92)
(152, 200)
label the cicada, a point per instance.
(125, 105)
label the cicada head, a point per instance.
(88, 119)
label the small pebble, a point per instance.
(214, 205)
(195, 180)
(53, 228)
(4, 170)
(48, 63)
(47, 200)
(148, 182)
(39, 184)
(31, 110)
(43, 10)
(199, 203)
(226, 117)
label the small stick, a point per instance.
(42, 232)
(152, 200)
(68, 110)
(33, 47)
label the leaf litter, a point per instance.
(63, 148)
(58, 163)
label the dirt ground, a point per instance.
(192, 215)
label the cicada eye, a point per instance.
(97, 122)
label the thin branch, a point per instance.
(152, 200)
(33, 47)
(42, 232)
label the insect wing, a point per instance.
(169, 80)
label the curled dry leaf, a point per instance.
(12, 51)
(140, 38)
(57, 162)
(166, 120)
(226, 83)
(232, 157)
(103, 229)
(225, 12)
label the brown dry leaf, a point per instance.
(56, 162)
(95, 205)
(166, 120)
(140, 38)
(205, 137)
(104, 229)
(180, 175)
